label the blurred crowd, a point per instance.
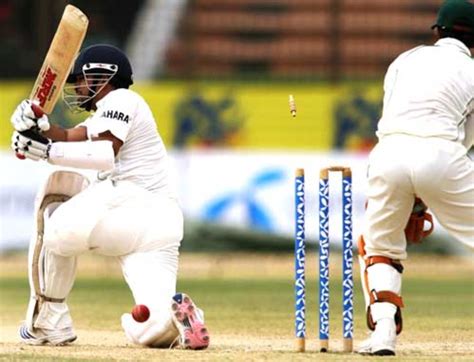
(320, 39)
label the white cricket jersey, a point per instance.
(429, 92)
(142, 159)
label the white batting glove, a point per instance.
(31, 145)
(24, 118)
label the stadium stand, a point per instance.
(322, 38)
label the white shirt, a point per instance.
(429, 92)
(142, 159)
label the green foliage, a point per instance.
(208, 237)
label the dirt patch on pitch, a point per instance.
(106, 345)
(249, 346)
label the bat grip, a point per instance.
(37, 110)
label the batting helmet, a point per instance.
(105, 59)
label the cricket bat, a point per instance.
(58, 62)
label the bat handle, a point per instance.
(38, 112)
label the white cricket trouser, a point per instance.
(114, 221)
(152, 279)
(436, 170)
(142, 229)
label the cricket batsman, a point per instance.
(131, 212)
(421, 160)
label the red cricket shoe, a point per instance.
(189, 320)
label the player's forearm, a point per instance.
(57, 133)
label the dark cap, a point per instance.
(456, 15)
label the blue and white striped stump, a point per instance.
(347, 259)
(324, 260)
(300, 284)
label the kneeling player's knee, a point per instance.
(61, 234)
(63, 242)
(55, 221)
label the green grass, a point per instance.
(251, 305)
(439, 312)
(230, 305)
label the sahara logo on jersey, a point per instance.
(115, 115)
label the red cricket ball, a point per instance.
(140, 313)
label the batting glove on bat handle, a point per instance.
(29, 116)
(42, 121)
(30, 144)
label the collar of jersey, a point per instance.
(451, 42)
(102, 101)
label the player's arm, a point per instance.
(78, 134)
(59, 134)
(95, 155)
(29, 116)
(108, 136)
(70, 147)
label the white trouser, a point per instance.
(152, 278)
(143, 230)
(114, 221)
(436, 170)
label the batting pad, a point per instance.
(51, 276)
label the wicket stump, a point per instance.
(300, 246)
(347, 259)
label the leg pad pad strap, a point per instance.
(382, 296)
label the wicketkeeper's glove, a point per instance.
(414, 231)
(31, 144)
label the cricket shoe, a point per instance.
(189, 320)
(382, 341)
(42, 336)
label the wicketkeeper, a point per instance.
(426, 130)
(130, 212)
